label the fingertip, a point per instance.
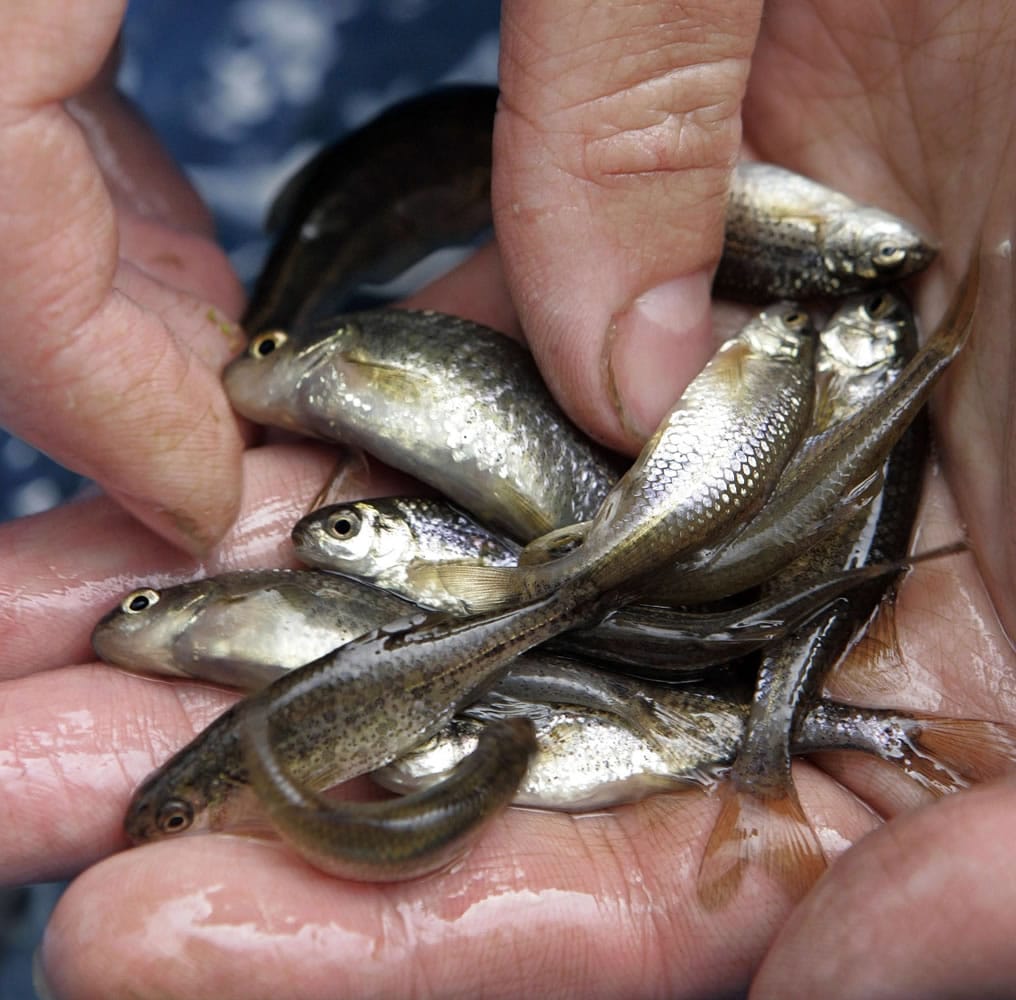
(654, 348)
(194, 521)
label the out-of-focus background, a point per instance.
(242, 92)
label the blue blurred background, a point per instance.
(242, 93)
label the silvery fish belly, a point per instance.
(241, 629)
(451, 402)
(387, 541)
(789, 236)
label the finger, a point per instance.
(74, 744)
(600, 906)
(86, 367)
(61, 570)
(922, 908)
(617, 129)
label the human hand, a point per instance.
(600, 904)
(116, 305)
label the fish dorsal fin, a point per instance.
(478, 588)
(772, 833)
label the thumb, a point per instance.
(617, 130)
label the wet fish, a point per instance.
(589, 759)
(836, 476)
(787, 236)
(348, 712)
(862, 351)
(241, 629)
(382, 542)
(400, 838)
(453, 403)
(670, 644)
(370, 205)
(709, 466)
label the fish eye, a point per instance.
(139, 600)
(343, 525)
(878, 306)
(796, 319)
(266, 343)
(174, 816)
(889, 255)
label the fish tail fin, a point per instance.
(959, 752)
(771, 832)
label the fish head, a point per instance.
(876, 246)
(868, 332)
(264, 382)
(780, 331)
(140, 633)
(353, 538)
(861, 350)
(193, 792)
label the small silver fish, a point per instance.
(589, 759)
(455, 404)
(241, 629)
(384, 541)
(787, 236)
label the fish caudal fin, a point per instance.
(954, 753)
(773, 833)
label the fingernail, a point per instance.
(655, 347)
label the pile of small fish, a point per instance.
(556, 630)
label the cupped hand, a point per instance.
(906, 108)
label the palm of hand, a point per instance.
(80, 738)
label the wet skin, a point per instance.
(77, 740)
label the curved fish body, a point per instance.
(385, 541)
(589, 759)
(836, 476)
(787, 236)
(709, 465)
(451, 402)
(370, 205)
(347, 712)
(240, 629)
(400, 838)
(862, 351)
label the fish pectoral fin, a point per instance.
(477, 588)
(388, 379)
(773, 833)
(958, 752)
(554, 544)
